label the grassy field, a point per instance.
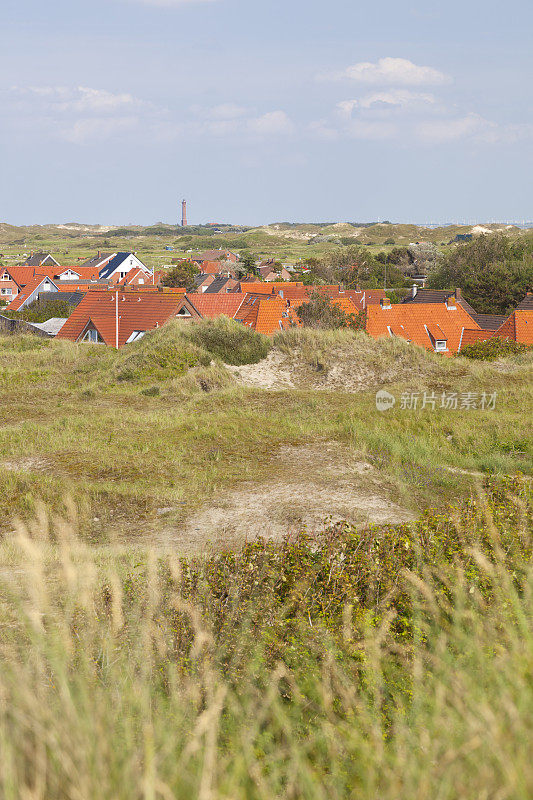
(281, 241)
(161, 425)
(340, 661)
(391, 664)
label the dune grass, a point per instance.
(394, 664)
(71, 424)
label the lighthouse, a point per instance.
(183, 213)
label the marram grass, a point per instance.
(281, 672)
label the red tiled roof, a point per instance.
(137, 312)
(210, 306)
(26, 292)
(471, 336)
(409, 321)
(211, 267)
(519, 327)
(261, 313)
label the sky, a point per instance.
(112, 111)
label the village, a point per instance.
(115, 299)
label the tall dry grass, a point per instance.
(116, 683)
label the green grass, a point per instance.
(387, 662)
(390, 664)
(84, 421)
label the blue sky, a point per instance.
(111, 111)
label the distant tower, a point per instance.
(184, 214)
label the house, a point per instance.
(215, 268)
(435, 326)
(116, 318)
(98, 261)
(221, 285)
(137, 277)
(117, 267)
(262, 313)
(217, 255)
(40, 260)
(271, 272)
(76, 273)
(31, 291)
(210, 306)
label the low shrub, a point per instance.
(228, 340)
(165, 353)
(494, 348)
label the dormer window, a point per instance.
(134, 336)
(440, 344)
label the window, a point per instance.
(6, 290)
(141, 281)
(440, 344)
(92, 336)
(135, 336)
(4, 277)
(122, 275)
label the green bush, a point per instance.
(228, 340)
(494, 348)
(164, 353)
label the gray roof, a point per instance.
(526, 304)
(37, 260)
(51, 326)
(437, 296)
(217, 285)
(488, 322)
(95, 260)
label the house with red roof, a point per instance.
(31, 291)
(434, 326)
(116, 318)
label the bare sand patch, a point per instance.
(311, 486)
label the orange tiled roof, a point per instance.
(263, 314)
(210, 306)
(471, 336)
(136, 311)
(26, 292)
(212, 267)
(414, 322)
(519, 327)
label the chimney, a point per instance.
(183, 213)
(98, 256)
(385, 303)
(414, 290)
(458, 294)
(450, 303)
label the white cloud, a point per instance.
(271, 124)
(98, 129)
(64, 99)
(373, 131)
(393, 72)
(448, 130)
(474, 127)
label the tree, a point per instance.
(494, 272)
(322, 312)
(181, 275)
(247, 264)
